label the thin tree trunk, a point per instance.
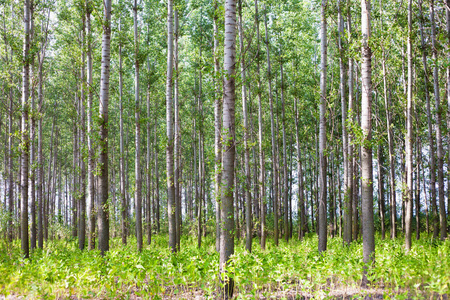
(170, 133)
(103, 209)
(247, 183)
(287, 233)
(262, 201)
(227, 236)
(137, 161)
(177, 139)
(24, 130)
(347, 187)
(217, 128)
(124, 208)
(322, 133)
(351, 108)
(366, 148)
(90, 107)
(272, 132)
(149, 168)
(82, 213)
(438, 129)
(408, 139)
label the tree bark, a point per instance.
(438, 129)
(170, 133)
(137, 159)
(262, 171)
(24, 131)
(322, 133)
(247, 183)
(366, 147)
(272, 132)
(408, 139)
(217, 128)
(228, 158)
(103, 209)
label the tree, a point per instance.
(24, 130)
(228, 156)
(366, 147)
(408, 138)
(322, 132)
(103, 209)
(248, 195)
(170, 134)
(137, 167)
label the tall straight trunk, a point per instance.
(149, 167)
(408, 139)
(177, 139)
(155, 143)
(103, 209)
(24, 130)
(350, 170)
(322, 133)
(170, 133)
(90, 107)
(137, 159)
(272, 133)
(218, 81)
(347, 187)
(228, 157)
(40, 159)
(301, 195)
(32, 186)
(392, 192)
(438, 129)
(262, 170)
(247, 183)
(75, 178)
(287, 233)
(417, 182)
(11, 165)
(447, 14)
(124, 206)
(82, 213)
(366, 148)
(431, 154)
(381, 201)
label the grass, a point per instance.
(62, 271)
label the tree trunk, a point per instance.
(408, 139)
(217, 128)
(24, 131)
(90, 107)
(366, 147)
(272, 132)
(322, 133)
(347, 187)
(262, 201)
(103, 209)
(247, 184)
(228, 158)
(124, 208)
(170, 133)
(137, 159)
(177, 140)
(149, 167)
(438, 129)
(82, 213)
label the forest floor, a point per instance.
(293, 270)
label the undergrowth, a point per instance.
(61, 270)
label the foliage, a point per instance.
(62, 270)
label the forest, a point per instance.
(237, 149)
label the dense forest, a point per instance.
(224, 149)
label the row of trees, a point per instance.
(296, 158)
